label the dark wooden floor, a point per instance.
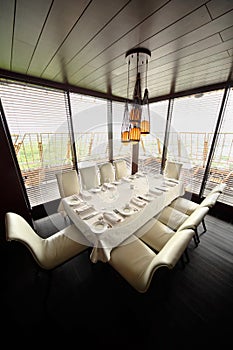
(81, 302)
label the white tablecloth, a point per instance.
(116, 197)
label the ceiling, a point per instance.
(83, 42)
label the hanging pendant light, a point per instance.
(139, 116)
(125, 123)
(145, 119)
(136, 111)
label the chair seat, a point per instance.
(184, 205)
(157, 236)
(172, 217)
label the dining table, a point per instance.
(109, 214)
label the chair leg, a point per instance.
(196, 238)
(204, 226)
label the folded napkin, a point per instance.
(112, 218)
(125, 179)
(155, 191)
(82, 208)
(170, 183)
(137, 201)
(108, 185)
(172, 180)
(162, 188)
(86, 212)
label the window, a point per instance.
(222, 162)
(192, 128)
(89, 117)
(37, 120)
(151, 146)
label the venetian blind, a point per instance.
(37, 120)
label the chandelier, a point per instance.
(136, 118)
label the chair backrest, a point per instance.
(121, 169)
(47, 252)
(172, 169)
(89, 177)
(107, 172)
(194, 220)
(218, 188)
(210, 200)
(68, 183)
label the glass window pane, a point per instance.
(89, 117)
(193, 124)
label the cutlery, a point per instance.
(160, 189)
(90, 216)
(144, 199)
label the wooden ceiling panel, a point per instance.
(6, 32)
(84, 42)
(179, 29)
(219, 7)
(61, 19)
(86, 30)
(27, 31)
(129, 18)
(161, 19)
(165, 39)
(186, 51)
(227, 34)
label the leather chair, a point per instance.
(48, 252)
(137, 263)
(172, 169)
(121, 169)
(89, 177)
(107, 173)
(187, 206)
(156, 236)
(68, 184)
(218, 188)
(178, 221)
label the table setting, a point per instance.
(111, 214)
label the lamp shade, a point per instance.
(145, 117)
(125, 125)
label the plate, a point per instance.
(72, 202)
(95, 190)
(116, 182)
(99, 226)
(126, 211)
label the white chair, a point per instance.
(218, 188)
(177, 220)
(187, 206)
(172, 169)
(68, 184)
(107, 172)
(89, 177)
(137, 263)
(121, 169)
(48, 252)
(156, 235)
